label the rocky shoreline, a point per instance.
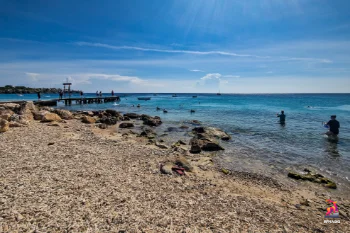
(107, 172)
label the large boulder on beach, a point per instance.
(12, 106)
(47, 108)
(113, 113)
(151, 121)
(108, 120)
(88, 120)
(4, 125)
(38, 116)
(132, 115)
(126, 125)
(49, 117)
(27, 110)
(6, 114)
(64, 114)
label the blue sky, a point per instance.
(235, 46)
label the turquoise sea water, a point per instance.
(257, 138)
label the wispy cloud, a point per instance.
(197, 70)
(231, 76)
(193, 52)
(87, 78)
(166, 50)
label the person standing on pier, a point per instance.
(61, 94)
(96, 93)
(112, 93)
(39, 96)
(100, 93)
(81, 94)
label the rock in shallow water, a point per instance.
(204, 144)
(211, 132)
(151, 121)
(313, 177)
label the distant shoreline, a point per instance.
(8, 89)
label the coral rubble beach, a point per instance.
(92, 172)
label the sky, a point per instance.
(175, 46)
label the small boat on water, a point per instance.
(144, 98)
(165, 111)
(194, 96)
(174, 95)
(218, 93)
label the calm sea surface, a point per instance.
(258, 141)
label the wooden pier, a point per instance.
(81, 100)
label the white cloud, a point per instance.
(33, 76)
(218, 76)
(197, 70)
(212, 76)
